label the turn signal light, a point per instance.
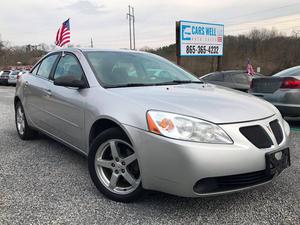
(151, 125)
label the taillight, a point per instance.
(290, 83)
(18, 77)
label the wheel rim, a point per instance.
(117, 167)
(20, 120)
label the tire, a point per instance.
(24, 131)
(115, 173)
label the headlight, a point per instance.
(186, 128)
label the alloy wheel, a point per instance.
(20, 120)
(117, 167)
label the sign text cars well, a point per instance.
(201, 39)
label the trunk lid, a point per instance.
(266, 85)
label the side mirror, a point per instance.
(69, 81)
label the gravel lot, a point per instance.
(43, 182)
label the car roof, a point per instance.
(74, 50)
(225, 72)
(234, 71)
(288, 72)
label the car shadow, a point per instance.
(157, 202)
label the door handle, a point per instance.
(26, 84)
(48, 92)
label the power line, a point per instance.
(265, 24)
(262, 11)
(262, 19)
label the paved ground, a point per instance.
(43, 182)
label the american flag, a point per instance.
(63, 34)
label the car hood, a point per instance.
(205, 101)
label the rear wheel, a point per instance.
(113, 166)
(24, 131)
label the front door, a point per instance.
(66, 104)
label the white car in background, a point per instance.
(12, 77)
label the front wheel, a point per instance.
(114, 167)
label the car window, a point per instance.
(34, 71)
(16, 72)
(128, 70)
(294, 71)
(240, 78)
(227, 77)
(214, 77)
(68, 65)
(117, 68)
(46, 66)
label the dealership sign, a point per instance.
(201, 39)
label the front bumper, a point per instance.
(175, 166)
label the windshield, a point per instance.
(120, 68)
(294, 71)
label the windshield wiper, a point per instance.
(129, 85)
(180, 82)
(155, 84)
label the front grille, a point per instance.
(277, 131)
(225, 183)
(257, 136)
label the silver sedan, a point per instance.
(282, 90)
(141, 130)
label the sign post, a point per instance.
(178, 57)
(199, 39)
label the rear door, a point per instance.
(66, 104)
(36, 92)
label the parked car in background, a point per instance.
(169, 132)
(236, 79)
(282, 90)
(12, 77)
(22, 72)
(4, 76)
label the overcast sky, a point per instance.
(36, 21)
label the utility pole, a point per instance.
(92, 44)
(296, 33)
(131, 20)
